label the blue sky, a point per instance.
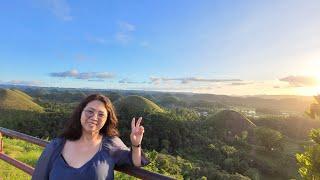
(220, 47)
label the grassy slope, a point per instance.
(22, 151)
(22, 94)
(138, 103)
(15, 99)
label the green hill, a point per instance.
(232, 121)
(22, 94)
(17, 100)
(136, 104)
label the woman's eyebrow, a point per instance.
(91, 108)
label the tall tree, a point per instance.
(309, 161)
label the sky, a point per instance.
(206, 46)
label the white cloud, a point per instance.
(126, 27)
(22, 82)
(71, 73)
(300, 81)
(96, 80)
(103, 75)
(127, 81)
(123, 38)
(60, 8)
(155, 80)
(83, 75)
(187, 80)
(241, 83)
(124, 35)
(96, 40)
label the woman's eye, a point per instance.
(101, 115)
(90, 112)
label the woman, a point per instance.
(89, 147)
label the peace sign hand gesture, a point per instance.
(136, 132)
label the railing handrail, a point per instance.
(133, 171)
(25, 137)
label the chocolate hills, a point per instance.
(135, 103)
(17, 100)
(231, 121)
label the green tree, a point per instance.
(269, 138)
(309, 161)
(228, 150)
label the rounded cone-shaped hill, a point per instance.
(17, 100)
(232, 121)
(169, 100)
(135, 104)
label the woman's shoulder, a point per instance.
(57, 141)
(47, 157)
(54, 144)
(113, 142)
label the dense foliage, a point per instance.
(309, 160)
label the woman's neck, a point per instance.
(90, 138)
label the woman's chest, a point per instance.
(99, 167)
(77, 155)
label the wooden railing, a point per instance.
(132, 171)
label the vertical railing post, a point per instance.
(1, 143)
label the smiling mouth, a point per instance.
(92, 123)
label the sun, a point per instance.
(317, 76)
(312, 70)
(313, 89)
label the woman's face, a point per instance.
(93, 116)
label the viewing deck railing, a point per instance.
(132, 171)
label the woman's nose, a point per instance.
(95, 116)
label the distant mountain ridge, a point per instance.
(279, 103)
(293, 103)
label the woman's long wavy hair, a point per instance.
(73, 128)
